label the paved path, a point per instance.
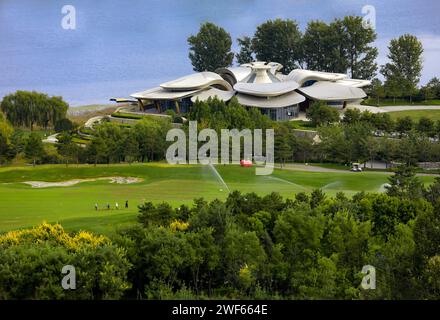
(89, 123)
(51, 138)
(308, 168)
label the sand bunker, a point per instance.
(68, 183)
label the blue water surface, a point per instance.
(120, 47)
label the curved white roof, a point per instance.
(358, 83)
(266, 89)
(285, 100)
(301, 76)
(159, 93)
(234, 74)
(211, 93)
(330, 91)
(196, 81)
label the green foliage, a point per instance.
(26, 109)
(31, 262)
(7, 151)
(320, 114)
(360, 54)
(210, 48)
(405, 184)
(246, 52)
(63, 125)
(33, 148)
(278, 41)
(403, 72)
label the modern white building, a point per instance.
(256, 85)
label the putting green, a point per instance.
(73, 206)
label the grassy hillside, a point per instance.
(416, 114)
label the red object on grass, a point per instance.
(245, 163)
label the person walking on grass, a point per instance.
(96, 207)
(108, 206)
(126, 204)
(117, 206)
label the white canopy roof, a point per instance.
(266, 89)
(234, 74)
(196, 81)
(358, 83)
(285, 100)
(159, 93)
(301, 76)
(211, 93)
(330, 91)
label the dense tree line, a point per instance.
(359, 137)
(6, 131)
(344, 46)
(246, 247)
(27, 109)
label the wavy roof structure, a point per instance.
(330, 91)
(213, 93)
(196, 81)
(302, 76)
(285, 100)
(260, 84)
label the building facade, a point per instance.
(256, 85)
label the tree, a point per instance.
(320, 114)
(372, 147)
(210, 49)
(32, 261)
(283, 144)
(426, 126)
(97, 150)
(25, 108)
(279, 41)
(361, 55)
(317, 197)
(376, 90)
(246, 52)
(405, 66)
(68, 149)
(6, 131)
(405, 184)
(318, 46)
(131, 146)
(64, 125)
(351, 116)
(383, 121)
(433, 86)
(34, 148)
(404, 125)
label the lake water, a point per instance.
(120, 47)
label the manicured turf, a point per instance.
(400, 102)
(24, 206)
(416, 114)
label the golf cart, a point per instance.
(356, 167)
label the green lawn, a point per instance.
(24, 206)
(416, 114)
(400, 102)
